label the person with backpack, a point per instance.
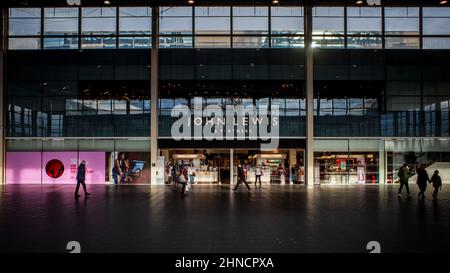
(437, 184)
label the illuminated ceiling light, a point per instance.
(275, 2)
(359, 2)
(106, 2)
(443, 2)
(191, 2)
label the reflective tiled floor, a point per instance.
(216, 219)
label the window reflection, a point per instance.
(250, 20)
(436, 21)
(212, 20)
(287, 20)
(175, 20)
(24, 21)
(328, 20)
(401, 21)
(60, 21)
(135, 20)
(364, 21)
(98, 21)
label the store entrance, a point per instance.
(274, 167)
(206, 166)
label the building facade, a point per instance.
(360, 89)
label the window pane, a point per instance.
(61, 43)
(136, 20)
(212, 42)
(287, 20)
(250, 20)
(364, 21)
(288, 42)
(403, 21)
(135, 42)
(328, 20)
(212, 20)
(364, 42)
(250, 42)
(328, 42)
(60, 21)
(24, 43)
(98, 42)
(403, 42)
(98, 21)
(436, 43)
(24, 21)
(175, 20)
(436, 21)
(175, 42)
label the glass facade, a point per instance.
(380, 80)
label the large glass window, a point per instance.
(287, 27)
(175, 20)
(401, 21)
(253, 22)
(24, 21)
(364, 21)
(24, 43)
(436, 21)
(98, 21)
(328, 22)
(250, 20)
(175, 27)
(135, 20)
(402, 27)
(364, 27)
(60, 21)
(287, 20)
(212, 20)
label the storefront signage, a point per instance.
(237, 122)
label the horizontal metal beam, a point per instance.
(55, 3)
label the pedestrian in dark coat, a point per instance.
(422, 180)
(81, 176)
(437, 183)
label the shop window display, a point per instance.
(56, 162)
(346, 168)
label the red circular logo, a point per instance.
(54, 168)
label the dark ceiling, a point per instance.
(214, 2)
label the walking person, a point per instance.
(281, 175)
(258, 174)
(241, 177)
(404, 174)
(191, 173)
(175, 176)
(81, 176)
(437, 184)
(422, 179)
(184, 180)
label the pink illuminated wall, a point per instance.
(23, 167)
(27, 167)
